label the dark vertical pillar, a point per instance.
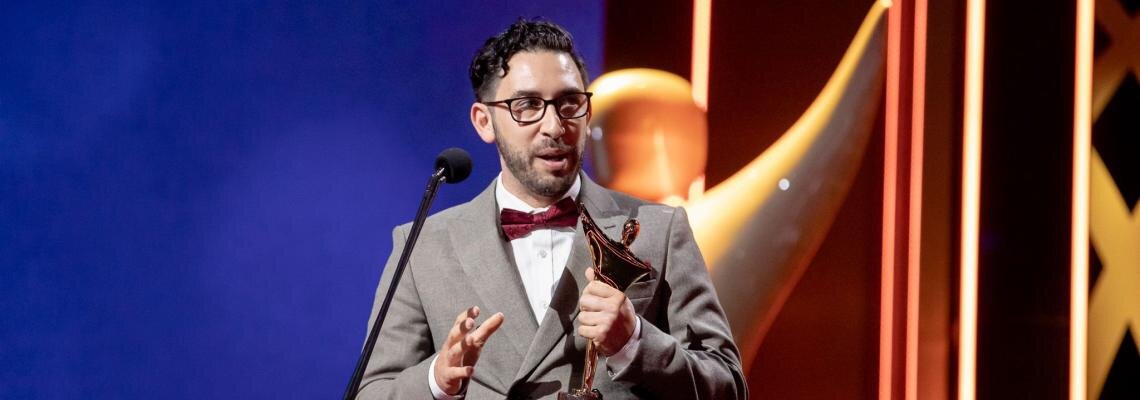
(768, 62)
(940, 206)
(1024, 271)
(649, 34)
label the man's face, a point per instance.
(541, 158)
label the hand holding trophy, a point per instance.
(616, 266)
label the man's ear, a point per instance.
(481, 120)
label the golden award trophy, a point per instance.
(615, 265)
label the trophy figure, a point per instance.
(614, 265)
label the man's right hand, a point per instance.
(456, 361)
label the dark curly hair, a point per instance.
(490, 63)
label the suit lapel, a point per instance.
(564, 304)
(490, 268)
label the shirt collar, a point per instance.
(506, 199)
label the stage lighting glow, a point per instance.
(702, 38)
(971, 198)
(1082, 149)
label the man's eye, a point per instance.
(528, 103)
(570, 101)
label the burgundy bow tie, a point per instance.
(517, 224)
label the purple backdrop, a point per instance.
(196, 198)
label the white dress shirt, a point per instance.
(541, 258)
(541, 255)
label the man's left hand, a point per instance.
(607, 317)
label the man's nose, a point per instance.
(551, 124)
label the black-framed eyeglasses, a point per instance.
(529, 109)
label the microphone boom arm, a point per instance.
(374, 333)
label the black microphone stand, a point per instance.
(366, 354)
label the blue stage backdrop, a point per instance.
(196, 198)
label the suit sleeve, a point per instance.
(696, 358)
(404, 350)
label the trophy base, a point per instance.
(580, 394)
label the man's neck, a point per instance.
(531, 199)
(517, 189)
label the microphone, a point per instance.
(452, 166)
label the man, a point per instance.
(496, 305)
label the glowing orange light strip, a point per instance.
(890, 190)
(914, 253)
(702, 39)
(1082, 149)
(971, 198)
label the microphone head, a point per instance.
(456, 164)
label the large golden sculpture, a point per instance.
(759, 229)
(649, 139)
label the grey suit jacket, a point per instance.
(462, 259)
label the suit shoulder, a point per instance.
(636, 206)
(441, 219)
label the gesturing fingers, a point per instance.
(456, 361)
(486, 329)
(463, 324)
(473, 343)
